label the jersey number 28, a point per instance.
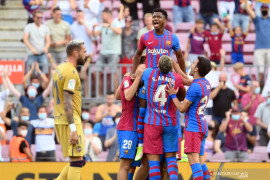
(203, 101)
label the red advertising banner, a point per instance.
(15, 70)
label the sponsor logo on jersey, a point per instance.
(157, 51)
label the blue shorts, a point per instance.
(237, 57)
(142, 93)
(127, 141)
(136, 163)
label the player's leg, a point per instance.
(170, 147)
(154, 166)
(143, 171)
(206, 174)
(123, 173)
(131, 172)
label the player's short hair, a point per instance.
(36, 12)
(74, 45)
(142, 60)
(204, 66)
(110, 93)
(165, 64)
(165, 14)
(22, 123)
(238, 65)
(147, 15)
(56, 9)
(41, 107)
(199, 21)
(107, 10)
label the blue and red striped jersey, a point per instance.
(198, 93)
(238, 43)
(227, 0)
(182, 3)
(158, 45)
(160, 107)
(130, 109)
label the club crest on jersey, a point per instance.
(79, 148)
(168, 43)
(71, 84)
(126, 151)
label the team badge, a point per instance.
(143, 91)
(126, 151)
(71, 84)
(79, 148)
(168, 43)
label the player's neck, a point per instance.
(196, 76)
(159, 31)
(72, 61)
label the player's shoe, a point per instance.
(139, 153)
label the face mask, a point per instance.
(32, 93)
(42, 116)
(257, 90)
(25, 118)
(214, 33)
(36, 85)
(268, 100)
(117, 121)
(23, 133)
(85, 116)
(235, 117)
(265, 13)
(87, 131)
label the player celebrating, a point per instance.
(160, 128)
(67, 98)
(196, 126)
(159, 42)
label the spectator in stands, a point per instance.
(50, 108)
(237, 127)
(34, 79)
(66, 7)
(133, 10)
(37, 39)
(263, 119)
(129, 44)
(223, 97)
(226, 9)
(245, 80)
(85, 114)
(81, 29)
(44, 135)
(60, 36)
(105, 114)
(13, 123)
(31, 6)
(238, 41)
(123, 13)
(150, 5)
(214, 39)
(251, 100)
(262, 42)
(258, 6)
(219, 143)
(148, 27)
(3, 97)
(110, 45)
(268, 147)
(91, 10)
(240, 17)
(2, 138)
(19, 149)
(212, 133)
(111, 141)
(93, 146)
(182, 12)
(208, 11)
(84, 75)
(32, 101)
(196, 40)
(251, 139)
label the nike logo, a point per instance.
(150, 42)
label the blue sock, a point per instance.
(197, 171)
(154, 170)
(141, 125)
(172, 168)
(206, 174)
(130, 176)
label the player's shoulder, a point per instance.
(126, 82)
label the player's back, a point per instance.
(66, 78)
(198, 93)
(160, 108)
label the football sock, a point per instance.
(64, 173)
(154, 170)
(75, 168)
(130, 176)
(206, 174)
(172, 168)
(197, 171)
(141, 125)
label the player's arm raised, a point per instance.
(130, 92)
(68, 107)
(181, 62)
(138, 54)
(177, 69)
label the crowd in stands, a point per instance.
(238, 118)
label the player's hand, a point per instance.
(73, 137)
(139, 71)
(170, 89)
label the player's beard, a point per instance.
(80, 60)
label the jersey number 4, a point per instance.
(160, 95)
(203, 101)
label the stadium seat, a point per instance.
(33, 151)
(93, 110)
(58, 153)
(196, 6)
(5, 153)
(251, 37)
(260, 149)
(107, 4)
(184, 27)
(219, 157)
(103, 155)
(115, 5)
(167, 5)
(258, 157)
